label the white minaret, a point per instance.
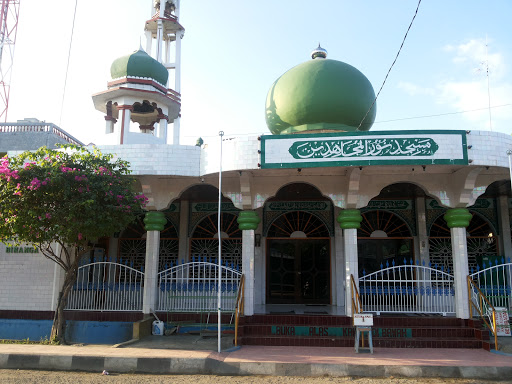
(164, 28)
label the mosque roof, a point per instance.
(139, 64)
(320, 95)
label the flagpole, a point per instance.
(221, 133)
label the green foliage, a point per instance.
(70, 196)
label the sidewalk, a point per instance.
(157, 355)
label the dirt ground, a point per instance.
(46, 377)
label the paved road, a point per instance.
(51, 377)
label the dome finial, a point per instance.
(319, 53)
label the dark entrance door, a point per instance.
(298, 271)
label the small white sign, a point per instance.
(363, 319)
(502, 322)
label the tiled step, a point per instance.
(292, 330)
(349, 342)
(388, 331)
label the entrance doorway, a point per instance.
(298, 271)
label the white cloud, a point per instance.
(467, 87)
(413, 89)
(476, 55)
(469, 91)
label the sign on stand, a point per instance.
(363, 320)
(363, 323)
(502, 322)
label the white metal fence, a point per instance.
(193, 287)
(107, 286)
(495, 282)
(408, 288)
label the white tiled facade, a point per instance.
(168, 171)
(26, 281)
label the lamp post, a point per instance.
(509, 153)
(221, 133)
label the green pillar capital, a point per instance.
(248, 220)
(350, 219)
(154, 221)
(457, 218)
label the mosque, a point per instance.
(323, 217)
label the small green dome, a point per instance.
(320, 94)
(139, 64)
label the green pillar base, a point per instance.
(349, 219)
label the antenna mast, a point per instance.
(488, 87)
(8, 27)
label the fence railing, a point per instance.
(107, 286)
(495, 282)
(193, 287)
(357, 305)
(39, 127)
(239, 310)
(408, 288)
(479, 305)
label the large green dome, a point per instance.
(320, 94)
(139, 64)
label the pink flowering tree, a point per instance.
(62, 202)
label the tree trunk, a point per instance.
(59, 322)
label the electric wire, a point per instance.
(443, 114)
(67, 66)
(394, 61)
(377, 122)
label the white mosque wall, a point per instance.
(238, 153)
(241, 153)
(27, 279)
(141, 138)
(489, 148)
(158, 159)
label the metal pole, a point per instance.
(221, 133)
(509, 152)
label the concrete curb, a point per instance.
(211, 366)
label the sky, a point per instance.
(233, 51)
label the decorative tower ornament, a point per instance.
(139, 89)
(164, 28)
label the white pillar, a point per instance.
(126, 114)
(351, 266)
(177, 85)
(248, 270)
(339, 278)
(183, 232)
(109, 124)
(151, 272)
(162, 127)
(461, 271)
(421, 225)
(504, 225)
(159, 38)
(149, 42)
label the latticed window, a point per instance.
(204, 243)
(384, 240)
(382, 224)
(132, 245)
(298, 224)
(481, 242)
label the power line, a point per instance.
(394, 61)
(67, 67)
(443, 114)
(378, 122)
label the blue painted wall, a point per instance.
(88, 332)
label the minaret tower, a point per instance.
(139, 91)
(165, 31)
